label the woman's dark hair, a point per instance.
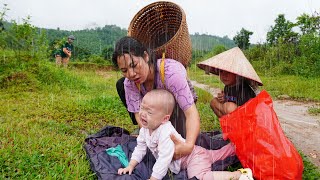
(127, 45)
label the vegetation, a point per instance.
(46, 112)
(287, 52)
(314, 110)
(242, 39)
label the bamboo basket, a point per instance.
(162, 27)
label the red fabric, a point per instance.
(260, 142)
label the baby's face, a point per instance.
(151, 114)
(228, 78)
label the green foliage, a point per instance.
(32, 74)
(314, 110)
(107, 53)
(3, 34)
(25, 39)
(309, 24)
(310, 171)
(81, 53)
(91, 41)
(200, 55)
(23, 34)
(290, 53)
(242, 39)
(43, 128)
(55, 47)
(209, 121)
(281, 31)
(218, 49)
(97, 59)
(206, 42)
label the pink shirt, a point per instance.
(176, 83)
(162, 148)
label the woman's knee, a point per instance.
(214, 103)
(229, 107)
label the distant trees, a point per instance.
(107, 53)
(2, 33)
(291, 47)
(242, 39)
(281, 31)
(309, 24)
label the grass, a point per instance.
(314, 111)
(46, 113)
(209, 121)
(310, 171)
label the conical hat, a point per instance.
(232, 61)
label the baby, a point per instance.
(155, 111)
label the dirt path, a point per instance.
(300, 127)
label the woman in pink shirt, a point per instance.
(141, 75)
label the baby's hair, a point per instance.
(165, 98)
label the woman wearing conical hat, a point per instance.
(238, 76)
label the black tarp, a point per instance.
(106, 167)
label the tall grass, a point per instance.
(46, 113)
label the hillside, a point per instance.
(207, 42)
(95, 40)
(91, 40)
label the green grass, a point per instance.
(314, 111)
(310, 171)
(209, 121)
(46, 113)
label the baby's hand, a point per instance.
(220, 97)
(125, 170)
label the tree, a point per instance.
(107, 53)
(242, 39)
(2, 29)
(218, 49)
(309, 24)
(281, 31)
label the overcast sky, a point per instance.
(214, 17)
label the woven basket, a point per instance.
(162, 27)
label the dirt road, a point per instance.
(301, 128)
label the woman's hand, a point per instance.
(181, 148)
(220, 97)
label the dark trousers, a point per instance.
(177, 119)
(122, 95)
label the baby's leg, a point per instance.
(220, 154)
(197, 163)
(222, 175)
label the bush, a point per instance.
(97, 59)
